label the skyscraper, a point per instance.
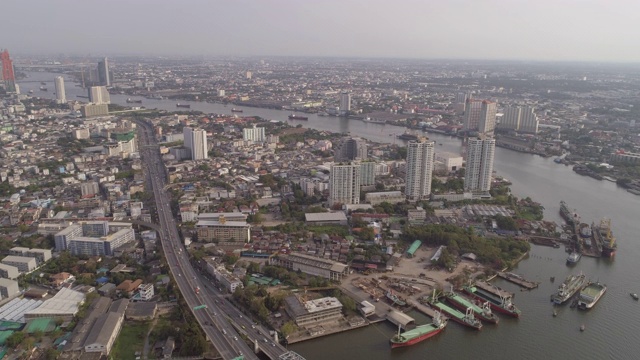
(344, 184)
(480, 116)
(351, 149)
(103, 73)
(61, 96)
(345, 103)
(254, 133)
(196, 141)
(480, 154)
(420, 157)
(8, 74)
(99, 95)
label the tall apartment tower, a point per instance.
(520, 118)
(460, 102)
(196, 141)
(510, 118)
(254, 133)
(99, 95)
(420, 158)
(351, 149)
(8, 74)
(480, 154)
(528, 120)
(103, 73)
(61, 96)
(344, 184)
(480, 116)
(345, 103)
(487, 123)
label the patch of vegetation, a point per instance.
(130, 340)
(495, 252)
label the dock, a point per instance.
(519, 280)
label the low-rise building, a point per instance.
(391, 197)
(228, 280)
(23, 263)
(145, 292)
(311, 265)
(8, 288)
(41, 255)
(329, 218)
(223, 230)
(313, 312)
(9, 271)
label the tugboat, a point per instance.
(573, 258)
(420, 333)
(187, 106)
(236, 110)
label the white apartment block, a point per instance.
(480, 155)
(420, 158)
(255, 134)
(344, 184)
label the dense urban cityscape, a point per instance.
(275, 207)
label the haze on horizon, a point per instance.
(562, 30)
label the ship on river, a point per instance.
(420, 333)
(395, 298)
(570, 217)
(467, 318)
(569, 287)
(590, 295)
(499, 300)
(605, 238)
(482, 311)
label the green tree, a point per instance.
(288, 328)
(15, 339)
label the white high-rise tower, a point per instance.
(420, 157)
(480, 154)
(196, 141)
(61, 96)
(344, 184)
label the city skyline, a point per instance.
(461, 30)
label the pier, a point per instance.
(518, 280)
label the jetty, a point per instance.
(518, 280)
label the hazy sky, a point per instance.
(606, 30)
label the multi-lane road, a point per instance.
(216, 326)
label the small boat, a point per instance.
(634, 296)
(555, 313)
(573, 258)
(582, 327)
(30, 91)
(43, 88)
(553, 278)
